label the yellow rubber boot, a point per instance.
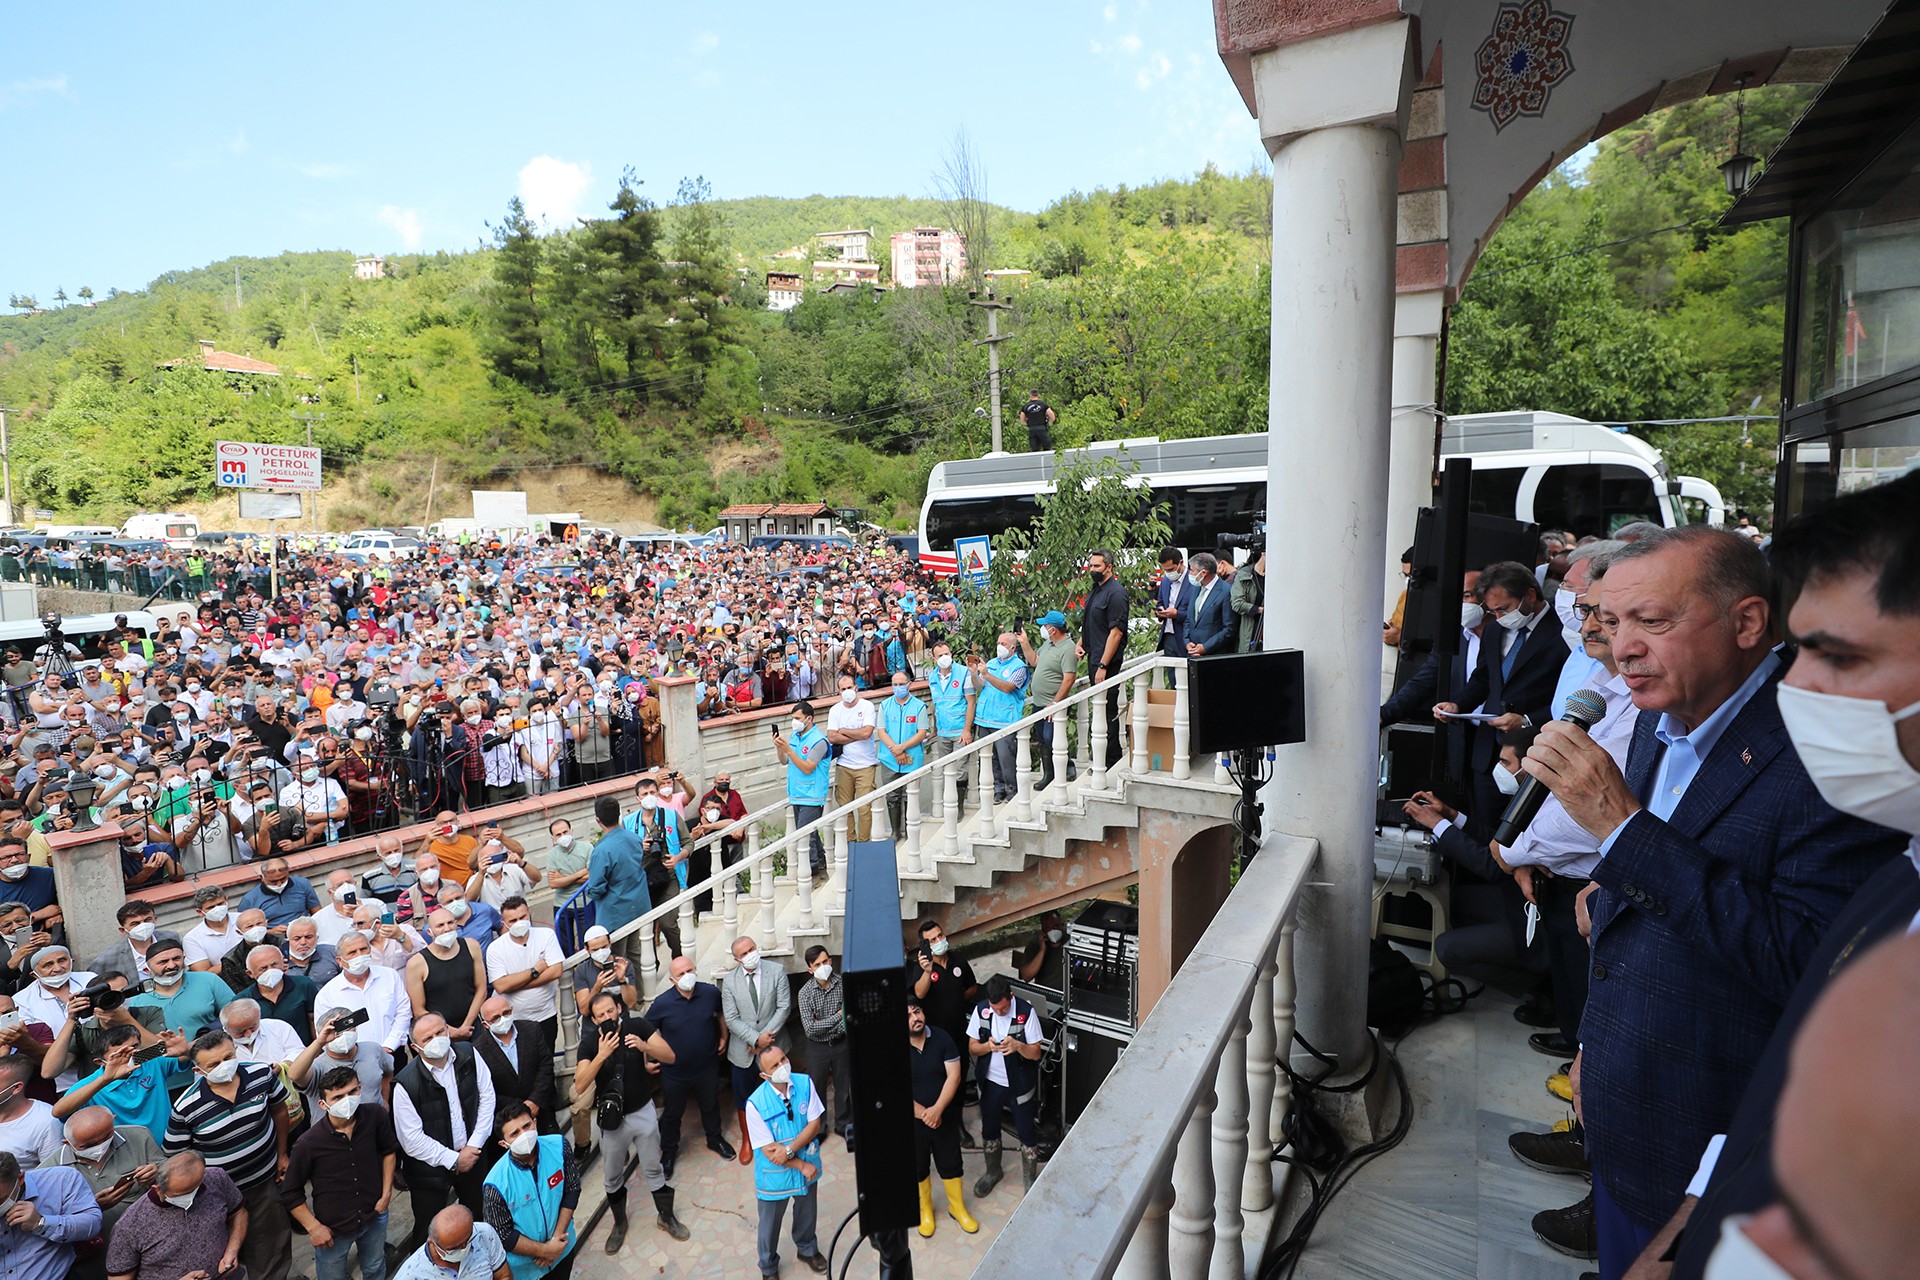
(926, 1207)
(956, 1205)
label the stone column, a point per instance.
(1417, 318)
(1331, 113)
(680, 727)
(87, 880)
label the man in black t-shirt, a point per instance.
(1103, 638)
(934, 1066)
(620, 1053)
(1039, 418)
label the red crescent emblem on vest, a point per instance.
(559, 1176)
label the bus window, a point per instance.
(1495, 491)
(950, 518)
(1198, 514)
(1595, 498)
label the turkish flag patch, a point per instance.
(559, 1176)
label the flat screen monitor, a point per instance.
(1240, 701)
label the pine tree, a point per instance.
(518, 349)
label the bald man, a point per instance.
(1847, 1182)
(119, 1163)
(457, 1245)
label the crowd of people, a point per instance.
(1731, 825)
(364, 696)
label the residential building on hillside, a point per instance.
(369, 268)
(853, 245)
(223, 362)
(748, 520)
(784, 290)
(1002, 279)
(846, 272)
(928, 256)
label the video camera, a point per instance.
(1253, 542)
(103, 998)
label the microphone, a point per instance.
(1584, 708)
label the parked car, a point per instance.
(379, 548)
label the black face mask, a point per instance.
(610, 1027)
(723, 787)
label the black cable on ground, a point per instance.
(834, 1244)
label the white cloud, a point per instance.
(405, 224)
(1156, 69)
(706, 42)
(1110, 13)
(1098, 48)
(18, 91)
(238, 143)
(324, 170)
(552, 189)
(1130, 44)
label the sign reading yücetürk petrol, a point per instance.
(287, 467)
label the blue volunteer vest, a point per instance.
(804, 787)
(635, 822)
(997, 707)
(948, 690)
(772, 1181)
(533, 1200)
(902, 720)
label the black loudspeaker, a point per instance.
(874, 970)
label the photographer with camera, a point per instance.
(77, 1048)
(659, 831)
(1248, 600)
(620, 1056)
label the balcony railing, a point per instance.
(1163, 1170)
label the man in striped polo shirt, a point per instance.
(234, 1115)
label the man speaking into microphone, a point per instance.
(1720, 869)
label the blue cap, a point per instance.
(1054, 619)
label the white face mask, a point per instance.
(221, 1072)
(649, 802)
(1851, 750)
(183, 1202)
(600, 955)
(1001, 652)
(1513, 619)
(255, 935)
(799, 726)
(430, 877)
(781, 1074)
(269, 979)
(1505, 780)
(53, 982)
(359, 965)
(520, 929)
(217, 913)
(848, 695)
(563, 842)
(168, 979)
(1563, 609)
(1471, 615)
(1737, 1257)
(501, 1026)
(750, 962)
(344, 1044)
(393, 860)
(343, 1108)
(523, 1144)
(825, 972)
(938, 947)
(1055, 935)
(944, 661)
(94, 1153)
(437, 1047)
(686, 980)
(19, 872)
(455, 1256)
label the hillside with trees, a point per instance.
(637, 341)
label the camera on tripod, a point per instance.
(1252, 542)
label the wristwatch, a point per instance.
(1526, 722)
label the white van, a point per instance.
(77, 531)
(175, 528)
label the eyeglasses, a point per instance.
(1585, 611)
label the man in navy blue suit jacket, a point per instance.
(1211, 624)
(1171, 597)
(1722, 868)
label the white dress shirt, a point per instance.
(331, 925)
(389, 1011)
(275, 1042)
(1553, 839)
(467, 1131)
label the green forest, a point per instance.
(638, 342)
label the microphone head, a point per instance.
(1585, 708)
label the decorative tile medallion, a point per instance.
(1518, 65)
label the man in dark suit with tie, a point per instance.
(1211, 625)
(519, 1057)
(1852, 573)
(1721, 869)
(1416, 697)
(1172, 596)
(1520, 660)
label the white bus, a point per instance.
(1556, 471)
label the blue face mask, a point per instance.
(900, 693)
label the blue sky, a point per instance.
(140, 139)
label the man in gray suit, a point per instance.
(128, 957)
(755, 1002)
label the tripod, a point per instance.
(54, 653)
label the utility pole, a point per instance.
(237, 301)
(6, 464)
(992, 343)
(310, 419)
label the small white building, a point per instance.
(785, 289)
(371, 268)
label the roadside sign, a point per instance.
(971, 556)
(269, 506)
(286, 467)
